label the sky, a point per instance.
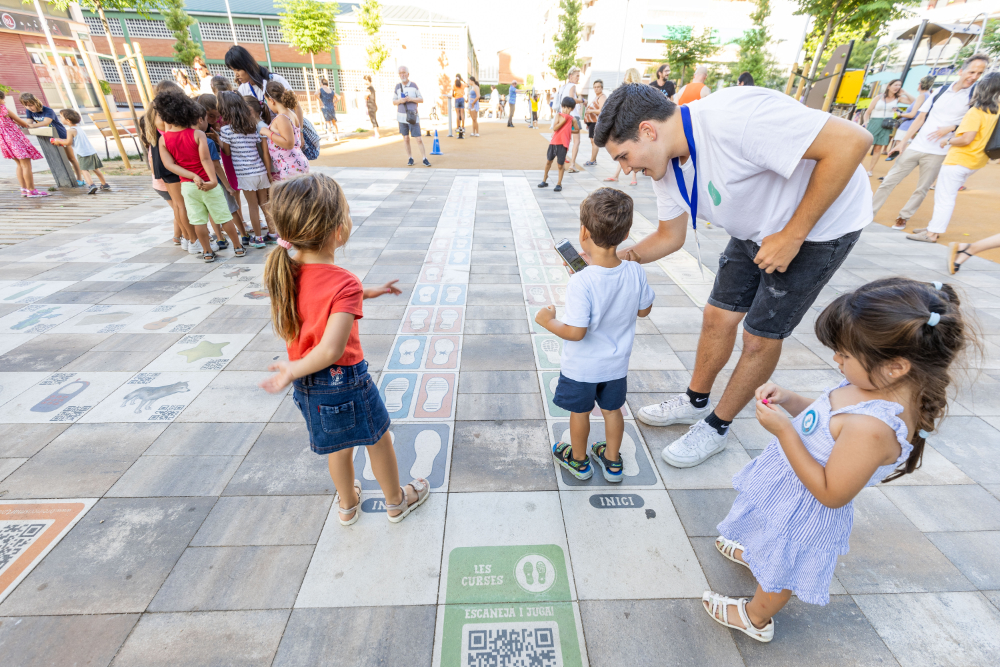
(494, 24)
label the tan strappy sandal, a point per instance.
(352, 511)
(421, 488)
(728, 549)
(713, 603)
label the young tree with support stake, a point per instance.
(684, 49)
(754, 55)
(310, 26)
(370, 19)
(569, 22)
(178, 22)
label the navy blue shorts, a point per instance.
(342, 408)
(581, 396)
(459, 102)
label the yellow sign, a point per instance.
(850, 86)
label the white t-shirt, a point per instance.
(411, 90)
(250, 89)
(751, 174)
(607, 302)
(948, 110)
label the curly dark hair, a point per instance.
(178, 109)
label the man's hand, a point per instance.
(776, 252)
(629, 255)
(545, 315)
(940, 132)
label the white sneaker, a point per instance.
(677, 410)
(213, 244)
(195, 248)
(696, 446)
(184, 244)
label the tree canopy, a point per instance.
(685, 50)
(178, 21)
(309, 25)
(754, 54)
(370, 13)
(569, 37)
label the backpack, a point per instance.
(993, 145)
(310, 140)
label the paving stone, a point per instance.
(973, 553)
(715, 473)
(368, 638)
(946, 508)
(126, 547)
(972, 444)
(501, 456)
(701, 510)
(231, 578)
(40, 641)
(497, 353)
(205, 439)
(955, 628)
(653, 353)
(498, 382)
(212, 639)
(152, 476)
(264, 520)
(20, 440)
(632, 632)
(479, 407)
(49, 352)
(281, 464)
(7, 466)
(495, 295)
(233, 396)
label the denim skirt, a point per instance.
(342, 408)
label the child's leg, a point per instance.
(24, 175)
(100, 177)
(85, 177)
(201, 233)
(265, 196)
(579, 433)
(253, 204)
(614, 429)
(545, 176)
(71, 155)
(562, 169)
(760, 609)
(383, 458)
(342, 473)
(232, 233)
(180, 211)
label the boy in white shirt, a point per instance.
(602, 304)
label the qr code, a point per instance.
(191, 340)
(71, 414)
(214, 364)
(41, 328)
(218, 301)
(96, 309)
(143, 378)
(22, 283)
(197, 285)
(29, 299)
(58, 378)
(162, 309)
(511, 645)
(166, 413)
(111, 328)
(182, 328)
(16, 537)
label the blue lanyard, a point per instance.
(692, 202)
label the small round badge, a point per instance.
(809, 422)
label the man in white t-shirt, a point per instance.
(939, 116)
(785, 182)
(406, 96)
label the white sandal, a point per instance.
(712, 602)
(421, 488)
(353, 511)
(728, 548)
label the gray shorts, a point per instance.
(230, 200)
(776, 302)
(412, 130)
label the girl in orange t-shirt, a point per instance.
(315, 307)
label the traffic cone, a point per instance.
(436, 149)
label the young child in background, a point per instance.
(220, 84)
(602, 304)
(220, 175)
(15, 146)
(284, 134)
(242, 142)
(153, 129)
(315, 308)
(894, 340)
(184, 151)
(559, 143)
(40, 115)
(87, 158)
(215, 124)
(534, 111)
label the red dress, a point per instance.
(13, 143)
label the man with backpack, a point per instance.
(406, 97)
(938, 117)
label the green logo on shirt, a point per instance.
(714, 194)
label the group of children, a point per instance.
(194, 146)
(15, 146)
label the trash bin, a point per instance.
(60, 166)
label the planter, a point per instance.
(8, 101)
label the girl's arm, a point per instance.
(45, 122)
(17, 119)
(284, 137)
(266, 156)
(963, 139)
(224, 147)
(546, 318)
(789, 400)
(388, 288)
(325, 354)
(559, 123)
(206, 160)
(863, 444)
(220, 173)
(168, 161)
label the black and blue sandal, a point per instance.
(613, 470)
(563, 453)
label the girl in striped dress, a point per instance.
(894, 340)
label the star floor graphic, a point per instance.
(155, 502)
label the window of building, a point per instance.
(111, 74)
(274, 35)
(146, 28)
(97, 28)
(353, 80)
(438, 40)
(221, 32)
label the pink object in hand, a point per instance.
(764, 401)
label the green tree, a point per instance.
(178, 21)
(990, 44)
(685, 50)
(569, 26)
(754, 54)
(310, 26)
(370, 14)
(848, 17)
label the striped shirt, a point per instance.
(246, 158)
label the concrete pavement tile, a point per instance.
(288, 412)
(499, 382)
(723, 576)
(281, 464)
(490, 327)
(377, 349)
(715, 473)
(676, 320)
(126, 547)
(8, 465)
(26, 440)
(482, 407)
(49, 352)
(807, 380)
(661, 562)
(501, 456)
(366, 637)
(973, 553)
(231, 326)
(701, 510)
(111, 361)
(750, 433)
(956, 629)
(946, 508)
(231, 578)
(233, 396)
(185, 476)
(658, 381)
(486, 312)
(212, 639)
(83, 462)
(206, 439)
(497, 353)
(934, 470)
(632, 632)
(40, 641)
(264, 520)
(145, 292)
(652, 353)
(972, 444)
(889, 555)
(495, 295)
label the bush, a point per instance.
(105, 87)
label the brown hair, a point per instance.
(150, 136)
(28, 98)
(279, 94)
(70, 115)
(220, 83)
(258, 109)
(306, 210)
(236, 113)
(208, 101)
(607, 215)
(891, 319)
